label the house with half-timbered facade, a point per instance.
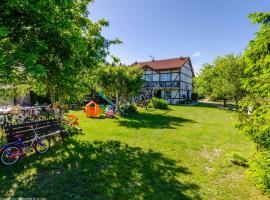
(170, 79)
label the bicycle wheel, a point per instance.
(10, 155)
(42, 145)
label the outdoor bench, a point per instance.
(25, 131)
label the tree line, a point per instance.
(246, 80)
(221, 80)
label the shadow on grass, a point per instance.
(206, 105)
(153, 121)
(99, 170)
(217, 105)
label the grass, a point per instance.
(182, 153)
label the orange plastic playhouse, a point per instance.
(92, 109)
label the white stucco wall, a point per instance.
(186, 78)
(155, 76)
(174, 93)
(175, 75)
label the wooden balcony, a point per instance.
(162, 84)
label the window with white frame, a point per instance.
(149, 77)
(165, 77)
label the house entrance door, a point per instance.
(158, 94)
(188, 94)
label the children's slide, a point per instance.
(102, 95)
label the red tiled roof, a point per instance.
(158, 65)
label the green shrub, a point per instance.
(201, 96)
(259, 171)
(127, 109)
(150, 105)
(182, 102)
(194, 96)
(70, 130)
(239, 160)
(160, 103)
(132, 108)
(186, 101)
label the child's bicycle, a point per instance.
(12, 152)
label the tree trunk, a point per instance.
(146, 105)
(61, 109)
(225, 103)
(58, 109)
(117, 103)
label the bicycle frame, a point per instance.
(22, 145)
(4, 119)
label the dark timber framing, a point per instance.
(177, 84)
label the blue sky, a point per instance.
(201, 29)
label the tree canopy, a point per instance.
(221, 80)
(121, 81)
(257, 84)
(50, 45)
(256, 123)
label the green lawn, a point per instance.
(183, 153)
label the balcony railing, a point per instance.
(162, 84)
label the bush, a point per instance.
(160, 103)
(201, 96)
(150, 105)
(182, 102)
(127, 109)
(194, 96)
(259, 172)
(239, 160)
(132, 108)
(69, 130)
(187, 101)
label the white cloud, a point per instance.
(196, 55)
(196, 67)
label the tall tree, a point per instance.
(51, 45)
(121, 82)
(256, 122)
(221, 80)
(203, 82)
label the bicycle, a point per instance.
(3, 120)
(12, 152)
(22, 118)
